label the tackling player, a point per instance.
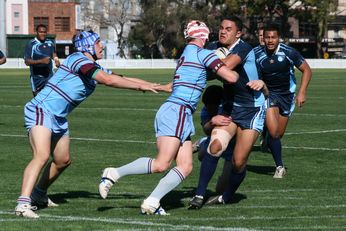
(45, 117)
(173, 123)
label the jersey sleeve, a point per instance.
(296, 57)
(210, 60)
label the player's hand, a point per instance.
(256, 85)
(57, 62)
(300, 100)
(149, 87)
(221, 120)
(165, 88)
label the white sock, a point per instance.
(173, 178)
(140, 166)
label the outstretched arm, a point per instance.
(306, 77)
(117, 81)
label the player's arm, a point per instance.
(306, 77)
(227, 74)
(232, 61)
(259, 85)
(117, 81)
(56, 59)
(30, 62)
(217, 120)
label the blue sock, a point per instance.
(275, 146)
(236, 178)
(206, 172)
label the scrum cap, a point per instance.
(85, 41)
(196, 29)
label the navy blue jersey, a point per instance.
(1, 55)
(277, 69)
(238, 93)
(36, 50)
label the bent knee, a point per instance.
(160, 167)
(215, 147)
(63, 163)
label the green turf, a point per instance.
(115, 126)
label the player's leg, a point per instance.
(276, 125)
(61, 160)
(40, 141)
(244, 142)
(169, 148)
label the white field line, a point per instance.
(142, 222)
(153, 142)
(155, 109)
(122, 221)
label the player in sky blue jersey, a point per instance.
(39, 53)
(45, 117)
(276, 64)
(173, 121)
(245, 106)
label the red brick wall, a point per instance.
(52, 10)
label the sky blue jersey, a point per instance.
(277, 69)
(69, 86)
(35, 50)
(191, 75)
(238, 93)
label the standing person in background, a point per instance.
(276, 63)
(2, 58)
(173, 122)
(46, 122)
(39, 53)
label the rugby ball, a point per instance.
(221, 52)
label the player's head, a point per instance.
(212, 98)
(88, 41)
(260, 34)
(41, 32)
(230, 31)
(196, 29)
(271, 37)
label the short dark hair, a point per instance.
(238, 22)
(213, 95)
(41, 25)
(272, 27)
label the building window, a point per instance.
(41, 20)
(62, 24)
(307, 30)
(16, 14)
(16, 28)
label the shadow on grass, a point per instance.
(265, 170)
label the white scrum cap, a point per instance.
(196, 29)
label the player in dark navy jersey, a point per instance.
(245, 102)
(46, 122)
(39, 53)
(276, 64)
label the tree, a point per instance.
(117, 14)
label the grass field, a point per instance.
(115, 126)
